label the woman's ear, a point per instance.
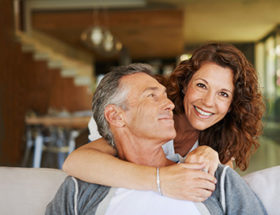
(184, 90)
(114, 115)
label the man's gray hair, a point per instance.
(110, 91)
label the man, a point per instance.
(133, 113)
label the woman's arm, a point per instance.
(95, 163)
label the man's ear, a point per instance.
(114, 115)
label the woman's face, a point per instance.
(208, 96)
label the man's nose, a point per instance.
(168, 104)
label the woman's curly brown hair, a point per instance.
(236, 135)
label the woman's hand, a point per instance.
(187, 181)
(206, 155)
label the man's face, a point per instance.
(149, 112)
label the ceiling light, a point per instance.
(96, 35)
(184, 57)
(101, 40)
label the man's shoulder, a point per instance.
(74, 186)
(226, 172)
(85, 188)
(75, 194)
(223, 170)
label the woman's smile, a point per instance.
(202, 113)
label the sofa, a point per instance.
(27, 191)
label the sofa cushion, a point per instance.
(266, 184)
(27, 191)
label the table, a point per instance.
(66, 122)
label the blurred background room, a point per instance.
(54, 52)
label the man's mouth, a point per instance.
(202, 112)
(166, 117)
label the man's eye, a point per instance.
(201, 85)
(151, 95)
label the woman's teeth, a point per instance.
(202, 112)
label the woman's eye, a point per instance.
(151, 95)
(224, 94)
(201, 85)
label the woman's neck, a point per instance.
(186, 135)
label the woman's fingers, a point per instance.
(186, 181)
(206, 155)
(201, 173)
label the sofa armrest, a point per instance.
(27, 191)
(266, 184)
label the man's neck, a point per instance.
(141, 151)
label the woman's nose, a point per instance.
(209, 99)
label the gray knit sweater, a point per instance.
(232, 196)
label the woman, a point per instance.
(218, 106)
(235, 133)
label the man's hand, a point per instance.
(187, 181)
(205, 155)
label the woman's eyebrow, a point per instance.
(202, 79)
(228, 90)
(224, 89)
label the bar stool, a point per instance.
(29, 144)
(55, 140)
(60, 141)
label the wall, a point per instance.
(26, 85)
